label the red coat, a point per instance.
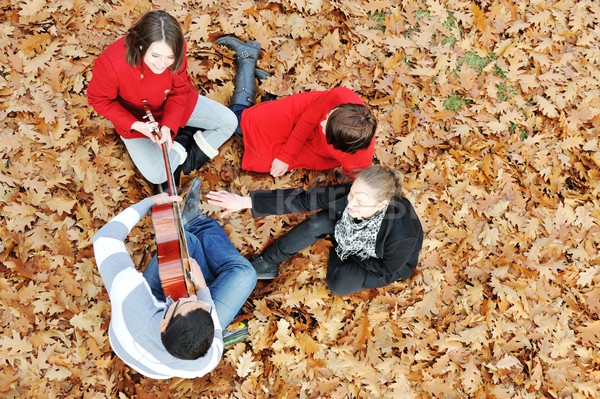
(117, 91)
(290, 129)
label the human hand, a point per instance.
(165, 137)
(147, 129)
(231, 202)
(197, 276)
(164, 198)
(278, 168)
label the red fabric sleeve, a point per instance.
(102, 95)
(306, 126)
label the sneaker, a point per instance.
(235, 333)
(264, 270)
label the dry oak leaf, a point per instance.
(590, 333)
(508, 362)
(546, 107)
(586, 277)
(245, 365)
(60, 205)
(15, 346)
(199, 28)
(31, 7)
(7, 378)
(18, 217)
(471, 377)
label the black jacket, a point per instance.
(399, 240)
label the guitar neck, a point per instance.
(184, 256)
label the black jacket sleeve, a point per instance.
(295, 200)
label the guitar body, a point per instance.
(173, 256)
(173, 264)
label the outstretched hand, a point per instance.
(231, 202)
(164, 198)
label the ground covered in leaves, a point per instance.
(491, 109)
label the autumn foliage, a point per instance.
(491, 109)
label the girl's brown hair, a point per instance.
(350, 128)
(155, 26)
(384, 181)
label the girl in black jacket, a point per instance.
(375, 231)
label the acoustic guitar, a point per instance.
(173, 256)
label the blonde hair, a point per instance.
(386, 182)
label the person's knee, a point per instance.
(245, 275)
(338, 287)
(319, 224)
(249, 271)
(230, 122)
(155, 176)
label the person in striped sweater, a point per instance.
(154, 335)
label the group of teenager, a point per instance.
(375, 233)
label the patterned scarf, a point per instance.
(356, 236)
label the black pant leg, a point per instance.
(300, 237)
(344, 277)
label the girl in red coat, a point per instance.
(148, 67)
(315, 130)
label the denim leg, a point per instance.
(147, 157)
(300, 237)
(216, 121)
(229, 276)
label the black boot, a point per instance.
(194, 161)
(195, 156)
(246, 55)
(185, 136)
(265, 270)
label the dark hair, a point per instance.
(350, 127)
(385, 181)
(154, 26)
(189, 336)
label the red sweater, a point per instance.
(290, 129)
(117, 91)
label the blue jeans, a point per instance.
(229, 276)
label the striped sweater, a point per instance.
(134, 331)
